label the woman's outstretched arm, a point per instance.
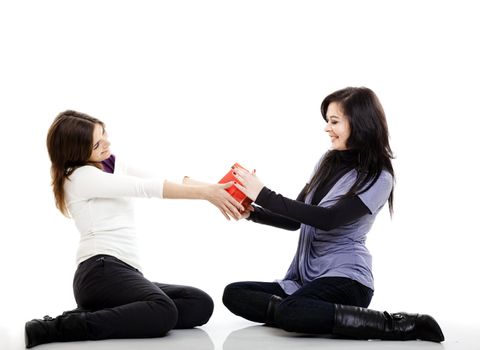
(214, 193)
(343, 212)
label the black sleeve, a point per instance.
(267, 217)
(345, 211)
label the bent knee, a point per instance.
(230, 294)
(165, 316)
(203, 304)
(195, 310)
(204, 308)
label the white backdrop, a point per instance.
(190, 87)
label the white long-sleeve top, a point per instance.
(100, 204)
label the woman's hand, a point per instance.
(216, 194)
(251, 185)
(246, 213)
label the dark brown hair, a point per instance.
(69, 144)
(369, 138)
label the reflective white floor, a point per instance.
(225, 332)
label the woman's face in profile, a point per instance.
(101, 145)
(338, 127)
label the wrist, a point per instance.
(207, 192)
(262, 194)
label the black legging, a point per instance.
(121, 303)
(309, 310)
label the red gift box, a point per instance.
(233, 190)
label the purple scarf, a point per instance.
(109, 164)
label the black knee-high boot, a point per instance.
(361, 323)
(70, 326)
(270, 312)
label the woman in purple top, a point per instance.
(329, 284)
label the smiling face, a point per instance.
(101, 145)
(338, 127)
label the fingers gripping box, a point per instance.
(233, 190)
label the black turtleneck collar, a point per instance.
(347, 157)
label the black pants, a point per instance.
(309, 310)
(121, 303)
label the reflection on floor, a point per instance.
(189, 339)
(266, 338)
(251, 337)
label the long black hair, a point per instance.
(369, 140)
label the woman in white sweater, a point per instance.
(114, 299)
